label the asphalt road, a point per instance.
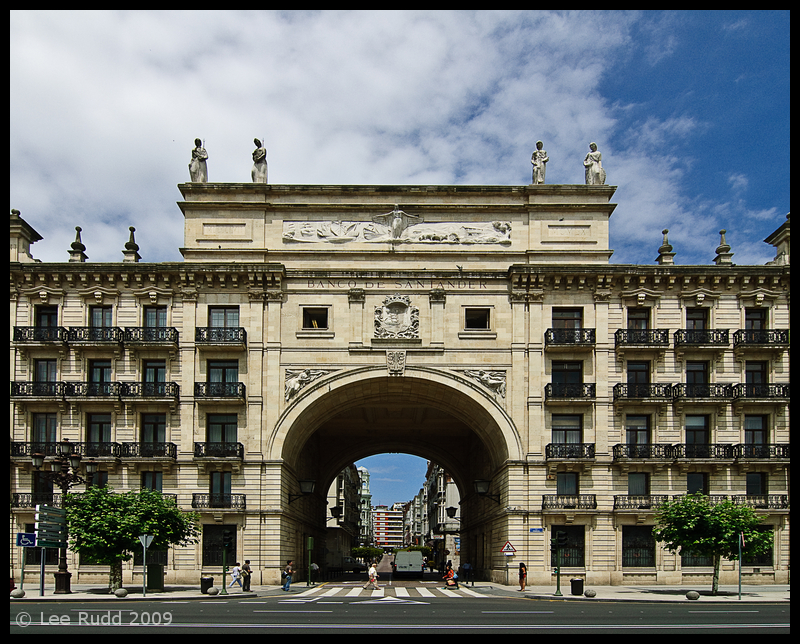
(393, 615)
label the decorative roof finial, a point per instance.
(131, 251)
(724, 255)
(77, 254)
(665, 254)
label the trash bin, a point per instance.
(155, 577)
(205, 584)
(577, 586)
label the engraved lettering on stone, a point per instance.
(396, 318)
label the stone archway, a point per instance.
(437, 415)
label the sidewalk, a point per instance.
(88, 592)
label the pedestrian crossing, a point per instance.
(400, 592)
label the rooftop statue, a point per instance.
(539, 158)
(259, 173)
(197, 166)
(595, 175)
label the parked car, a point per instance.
(348, 563)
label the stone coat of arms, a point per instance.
(396, 318)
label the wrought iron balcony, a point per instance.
(705, 390)
(703, 450)
(37, 389)
(637, 391)
(220, 335)
(702, 337)
(32, 499)
(761, 391)
(218, 450)
(638, 501)
(563, 391)
(92, 389)
(762, 501)
(149, 390)
(569, 502)
(225, 501)
(40, 334)
(95, 334)
(151, 334)
(149, 450)
(641, 338)
(571, 337)
(761, 450)
(25, 449)
(646, 451)
(569, 450)
(219, 390)
(761, 338)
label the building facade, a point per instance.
(481, 327)
(387, 524)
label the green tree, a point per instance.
(694, 524)
(367, 553)
(105, 526)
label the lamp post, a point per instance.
(64, 472)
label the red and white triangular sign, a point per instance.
(508, 548)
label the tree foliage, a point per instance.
(694, 524)
(367, 553)
(105, 526)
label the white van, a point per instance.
(408, 562)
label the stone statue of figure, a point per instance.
(197, 166)
(538, 159)
(595, 175)
(259, 173)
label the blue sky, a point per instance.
(689, 109)
(394, 477)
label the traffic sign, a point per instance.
(508, 549)
(26, 539)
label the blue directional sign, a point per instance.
(26, 539)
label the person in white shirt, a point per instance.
(373, 577)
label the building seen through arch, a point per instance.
(480, 327)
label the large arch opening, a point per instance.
(438, 416)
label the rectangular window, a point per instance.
(223, 371)
(755, 372)
(567, 483)
(154, 428)
(222, 428)
(697, 319)
(638, 319)
(151, 481)
(315, 318)
(98, 428)
(697, 430)
(638, 484)
(638, 374)
(44, 428)
(100, 316)
(637, 430)
(477, 319)
(696, 372)
(223, 316)
(755, 430)
(567, 373)
(45, 370)
(155, 316)
(755, 319)
(697, 482)
(567, 318)
(567, 429)
(46, 316)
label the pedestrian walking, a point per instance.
(246, 572)
(373, 577)
(466, 569)
(236, 573)
(286, 575)
(523, 575)
(314, 574)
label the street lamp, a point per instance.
(482, 489)
(306, 488)
(64, 472)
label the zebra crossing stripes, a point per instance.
(402, 592)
